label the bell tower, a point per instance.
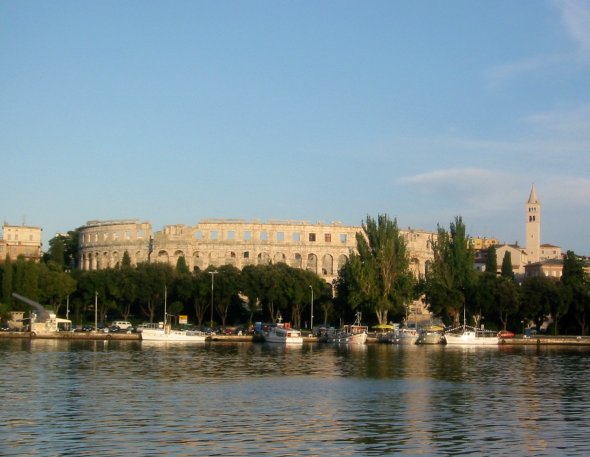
(533, 227)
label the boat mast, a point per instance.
(165, 298)
(463, 317)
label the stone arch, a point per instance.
(312, 263)
(198, 261)
(163, 256)
(328, 265)
(342, 259)
(104, 261)
(138, 257)
(213, 259)
(427, 267)
(263, 258)
(115, 258)
(297, 261)
(231, 258)
(279, 257)
(415, 267)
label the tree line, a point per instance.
(376, 280)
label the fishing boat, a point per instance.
(471, 336)
(282, 334)
(407, 335)
(434, 334)
(355, 333)
(163, 331)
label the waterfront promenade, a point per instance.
(537, 340)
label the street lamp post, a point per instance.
(212, 273)
(311, 320)
(95, 311)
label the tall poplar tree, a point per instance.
(491, 261)
(381, 278)
(451, 280)
(7, 285)
(507, 271)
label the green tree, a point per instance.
(153, 278)
(506, 299)
(201, 286)
(541, 297)
(55, 286)
(379, 275)
(491, 261)
(7, 279)
(450, 282)
(507, 271)
(227, 286)
(576, 289)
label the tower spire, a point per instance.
(533, 199)
(533, 227)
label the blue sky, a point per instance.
(177, 111)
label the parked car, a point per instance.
(123, 325)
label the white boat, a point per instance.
(158, 332)
(471, 336)
(349, 334)
(407, 335)
(283, 334)
(162, 331)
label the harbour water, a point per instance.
(78, 398)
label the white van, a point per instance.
(123, 325)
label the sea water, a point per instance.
(109, 398)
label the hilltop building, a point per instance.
(532, 260)
(20, 240)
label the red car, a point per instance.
(505, 334)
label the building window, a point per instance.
(280, 236)
(140, 233)
(343, 238)
(231, 235)
(328, 237)
(247, 235)
(213, 235)
(198, 235)
(264, 236)
(246, 254)
(312, 237)
(296, 236)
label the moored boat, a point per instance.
(163, 331)
(432, 335)
(160, 332)
(348, 334)
(471, 336)
(407, 335)
(282, 333)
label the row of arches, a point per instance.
(325, 265)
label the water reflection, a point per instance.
(131, 398)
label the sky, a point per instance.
(177, 111)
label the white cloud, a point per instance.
(575, 16)
(576, 19)
(501, 73)
(574, 122)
